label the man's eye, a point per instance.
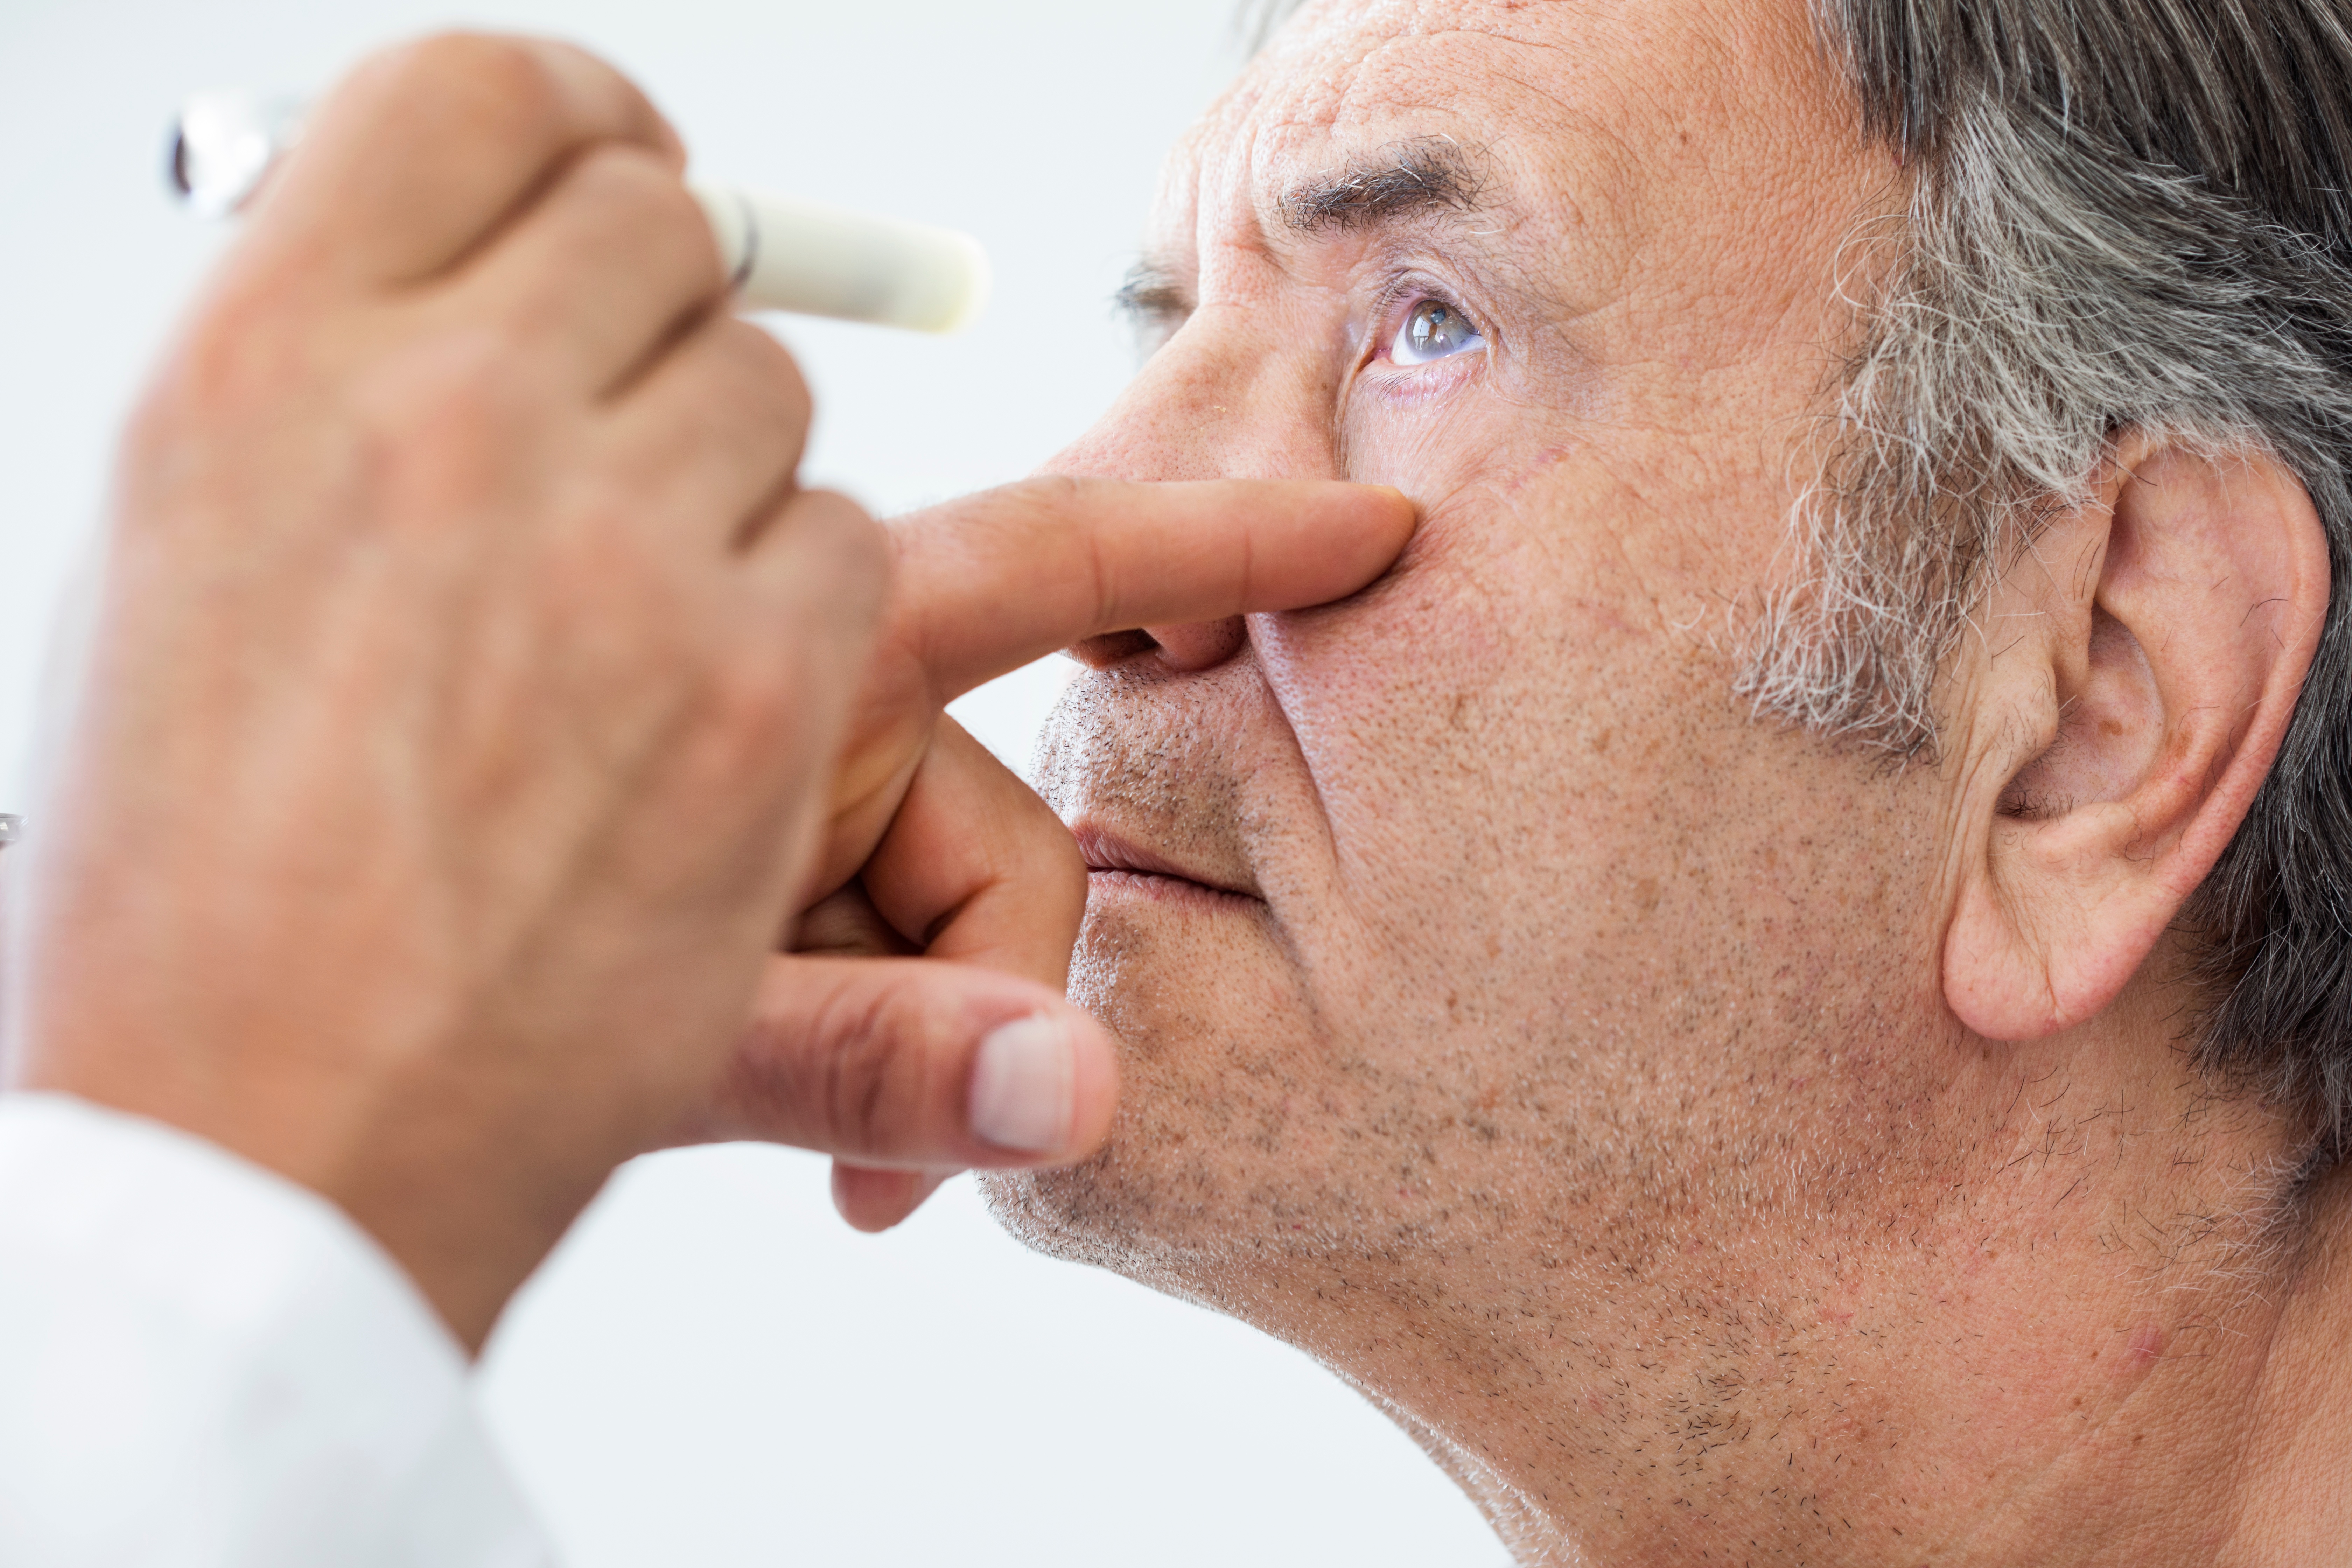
(1432, 329)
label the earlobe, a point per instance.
(2136, 676)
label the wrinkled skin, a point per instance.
(1508, 1017)
(475, 697)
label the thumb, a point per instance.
(916, 1064)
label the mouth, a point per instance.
(1116, 866)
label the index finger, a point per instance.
(426, 149)
(989, 583)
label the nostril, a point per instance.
(1199, 645)
(1112, 648)
(1190, 646)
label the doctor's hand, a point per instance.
(468, 680)
(907, 1069)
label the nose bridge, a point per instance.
(1230, 396)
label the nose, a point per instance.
(1223, 398)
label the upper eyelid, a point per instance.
(1417, 283)
(1409, 290)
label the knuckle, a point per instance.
(761, 368)
(636, 195)
(500, 84)
(858, 549)
(674, 221)
(858, 1075)
(503, 81)
(754, 703)
(509, 74)
(881, 1050)
(844, 563)
(617, 202)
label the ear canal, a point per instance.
(2111, 725)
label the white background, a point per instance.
(713, 1370)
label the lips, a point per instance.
(1120, 862)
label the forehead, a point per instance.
(1589, 117)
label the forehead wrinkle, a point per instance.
(1444, 168)
(1571, 169)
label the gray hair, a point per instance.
(2126, 214)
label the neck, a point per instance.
(1981, 1393)
(2297, 1498)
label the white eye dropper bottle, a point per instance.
(780, 254)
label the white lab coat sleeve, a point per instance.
(205, 1365)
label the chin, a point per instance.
(1261, 1129)
(1215, 1056)
(1117, 1211)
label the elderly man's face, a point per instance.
(1475, 953)
(1570, 1059)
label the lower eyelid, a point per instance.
(1477, 344)
(1411, 383)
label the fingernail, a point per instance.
(1021, 1086)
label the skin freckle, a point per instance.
(1573, 1030)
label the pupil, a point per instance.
(1430, 323)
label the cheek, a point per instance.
(1435, 436)
(1513, 664)
(1486, 731)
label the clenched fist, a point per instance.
(470, 671)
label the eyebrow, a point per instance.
(1426, 176)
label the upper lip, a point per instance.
(1107, 851)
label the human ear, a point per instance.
(2134, 676)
